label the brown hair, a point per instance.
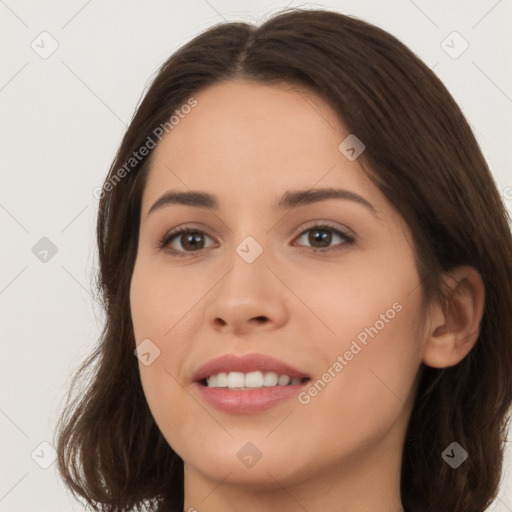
(421, 154)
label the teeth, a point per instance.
(251, 380)
(283, 380)
(222, 380)
(236, 380)
(270, 379)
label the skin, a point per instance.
(248, 143)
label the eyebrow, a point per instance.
(290, 199)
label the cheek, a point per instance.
(374, 359)
(367, 383)
(373, 353)
(162, 310)
(162, 301)
(364, 298)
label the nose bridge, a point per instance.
(250, 240)
(249, 272)
(250, 250)
(248, 290)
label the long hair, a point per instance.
(421, 154)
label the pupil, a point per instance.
(191, 237)
(325, 237)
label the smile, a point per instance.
(251, 380)
(247, 384)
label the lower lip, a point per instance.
(249, 401)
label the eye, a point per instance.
(191, 240)
(321, 236)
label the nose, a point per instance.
(248, 298)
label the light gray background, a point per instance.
(62, 119)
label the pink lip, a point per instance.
(248, 363)
(250, 401)
(247, 401)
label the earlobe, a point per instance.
(454, 329)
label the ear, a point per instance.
(454, 331)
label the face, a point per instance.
(328, 287)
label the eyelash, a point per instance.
(169, 237)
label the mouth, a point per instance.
(248, 372)
(252, 380)
(247, 384)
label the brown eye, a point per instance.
(192, 240)
(184, 240)
(320, 237)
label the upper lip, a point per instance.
(246, 363)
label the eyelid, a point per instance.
(331, 225)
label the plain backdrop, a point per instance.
(71, 75)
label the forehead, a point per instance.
(244, 139)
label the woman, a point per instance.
(279, 368)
